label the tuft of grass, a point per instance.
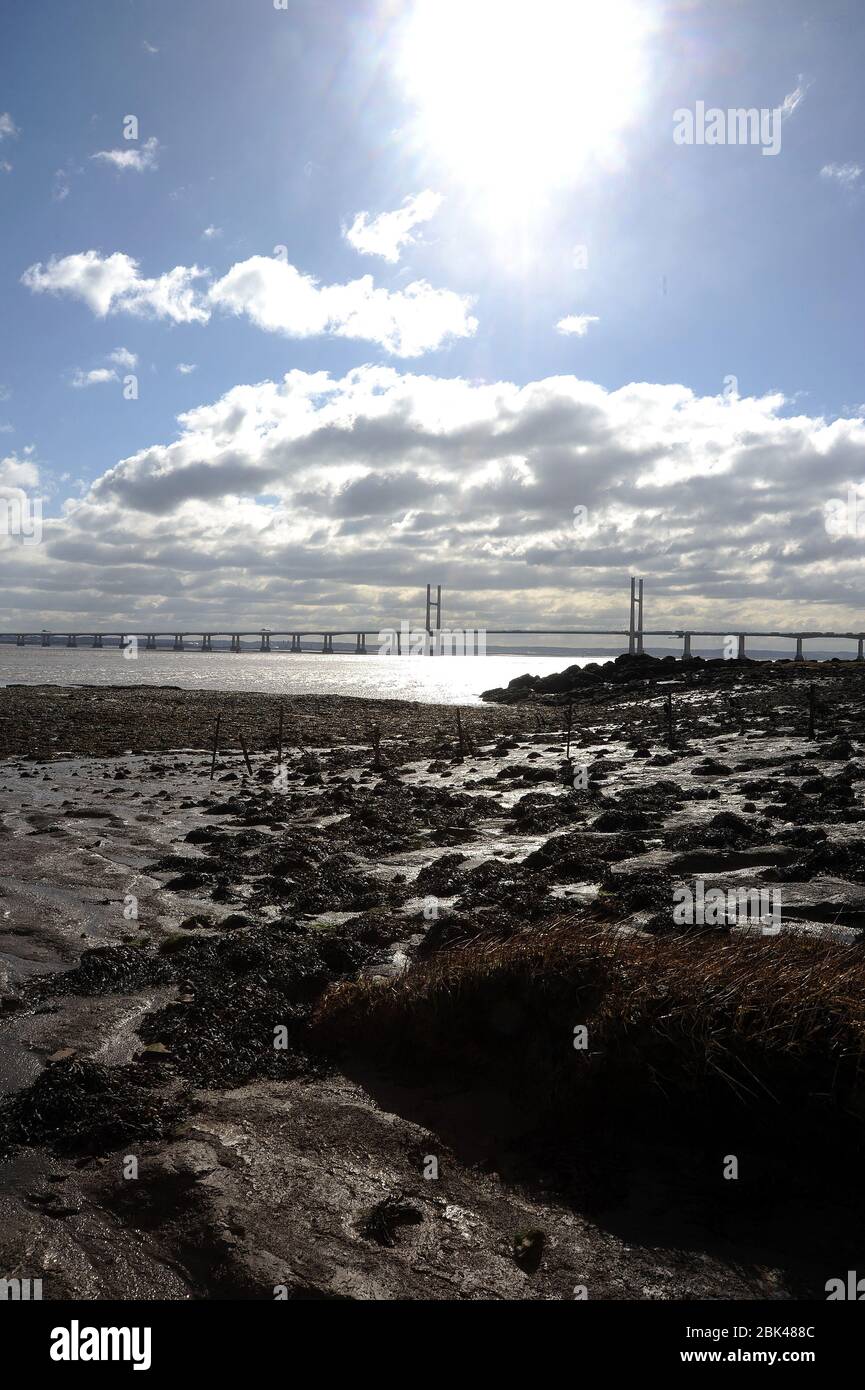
(759, 1022)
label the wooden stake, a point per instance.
(215, 745)
(245, 755)
(375, 734)
(668, 711)
(460, 731)
(279, 743)
(812, 710)
(570, 720)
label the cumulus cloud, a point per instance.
(136, 157)
(97, 376)
(576, 325)
(112, 284)
(122, 357)
(269, 291)
(280, 299)
(8, 128)
(186, 367)
(100, 376)
(386, 234)
(319, 498)
(210, 232)
(19, 471)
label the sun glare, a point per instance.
(519, 97)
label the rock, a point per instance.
(529, 1250)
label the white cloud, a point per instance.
(386, 234)
(149, 47)
(98, 376)
(374, 476)
(137, 157)
(210, 232)
(845, 174)
(5, 166)
(17, 471)
(60, 186)
(122, 357)
(794, 99)
(576, 324)
(280, 299)
(8, 127)
(272, 293)
(112, 284)
(186, 367)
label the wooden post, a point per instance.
(245, 755)
(215, 745)
(668, 711)
(375, 735)
(279, 741)
(631, 622)
(460, 732)
(812, 710)
(569, 723)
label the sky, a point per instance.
(305, 305)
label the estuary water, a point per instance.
(430, 680)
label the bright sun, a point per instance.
(519, 97)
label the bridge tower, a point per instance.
(433, 603)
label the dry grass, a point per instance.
(765, 1022)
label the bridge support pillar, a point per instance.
(860, 655)
(97, 640)
(19, 640)
(235, 642)
(686, 647)
(206, 642)
(741, 649)
(361, 644)
(46, 639)
(328, 643)
(150, 642)
(265, 642)
(799, 655)
(178, 641)
(72, 640)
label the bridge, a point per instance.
(432, 634)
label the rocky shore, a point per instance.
(312, 1028)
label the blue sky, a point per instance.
(263, 128)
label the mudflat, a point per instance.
(408, 1012)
